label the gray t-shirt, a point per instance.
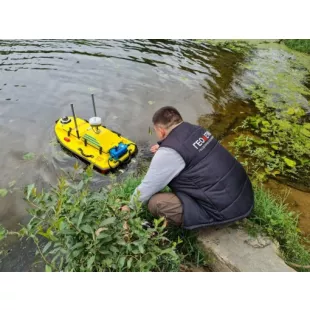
(165, 165)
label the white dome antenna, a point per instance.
(96, 120)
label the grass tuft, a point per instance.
(272, 217)
(300, 45)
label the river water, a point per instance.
(130, 79)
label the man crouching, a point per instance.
(209, 186)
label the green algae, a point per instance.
(274, 141)
(278, 139)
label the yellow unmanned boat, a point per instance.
(93, 142)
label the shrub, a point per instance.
(77, 229)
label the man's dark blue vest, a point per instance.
(213, 187)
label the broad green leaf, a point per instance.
(129, 262)
(47, 246)
(114, 249)
(121, 242)
(255, 122)
(30, 189)
(305, 132)
(3, 232)
(77, 245)
(102, 236)
(141, 248)
(121, 262)
(77, 252)
(105, 240)
(263, 129)
(86, 228)
(108, 221)
(266, 123)
(28, 156)
(104, 252)
(90, 262)
(108, 262)
(67, 232)
(62, 224)
(291, 163)
(259, 141)
(80, 219)
(290, 111)
(3, 192)
(48, 268)
(275, 147)
(61, 262)
(306, 125)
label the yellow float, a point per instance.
(93, 142)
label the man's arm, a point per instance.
(165, 165)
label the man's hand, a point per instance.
(125, 208)
(154, 148)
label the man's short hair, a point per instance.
(167, 116)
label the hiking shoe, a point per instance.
(147, 225)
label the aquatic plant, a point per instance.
(276, 141)
(277, 145)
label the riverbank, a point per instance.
(78, 229)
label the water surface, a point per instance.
(130, 79)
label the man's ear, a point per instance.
(162, 132)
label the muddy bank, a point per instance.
(297, 201)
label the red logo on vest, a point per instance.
(201, 141)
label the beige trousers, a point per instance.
(167, 205)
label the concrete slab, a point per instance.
(232, 249)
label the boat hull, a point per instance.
(93, 144)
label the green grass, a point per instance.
(300, 45)
(272, 217)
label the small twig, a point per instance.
(43, 257)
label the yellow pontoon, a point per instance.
(93, 142)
